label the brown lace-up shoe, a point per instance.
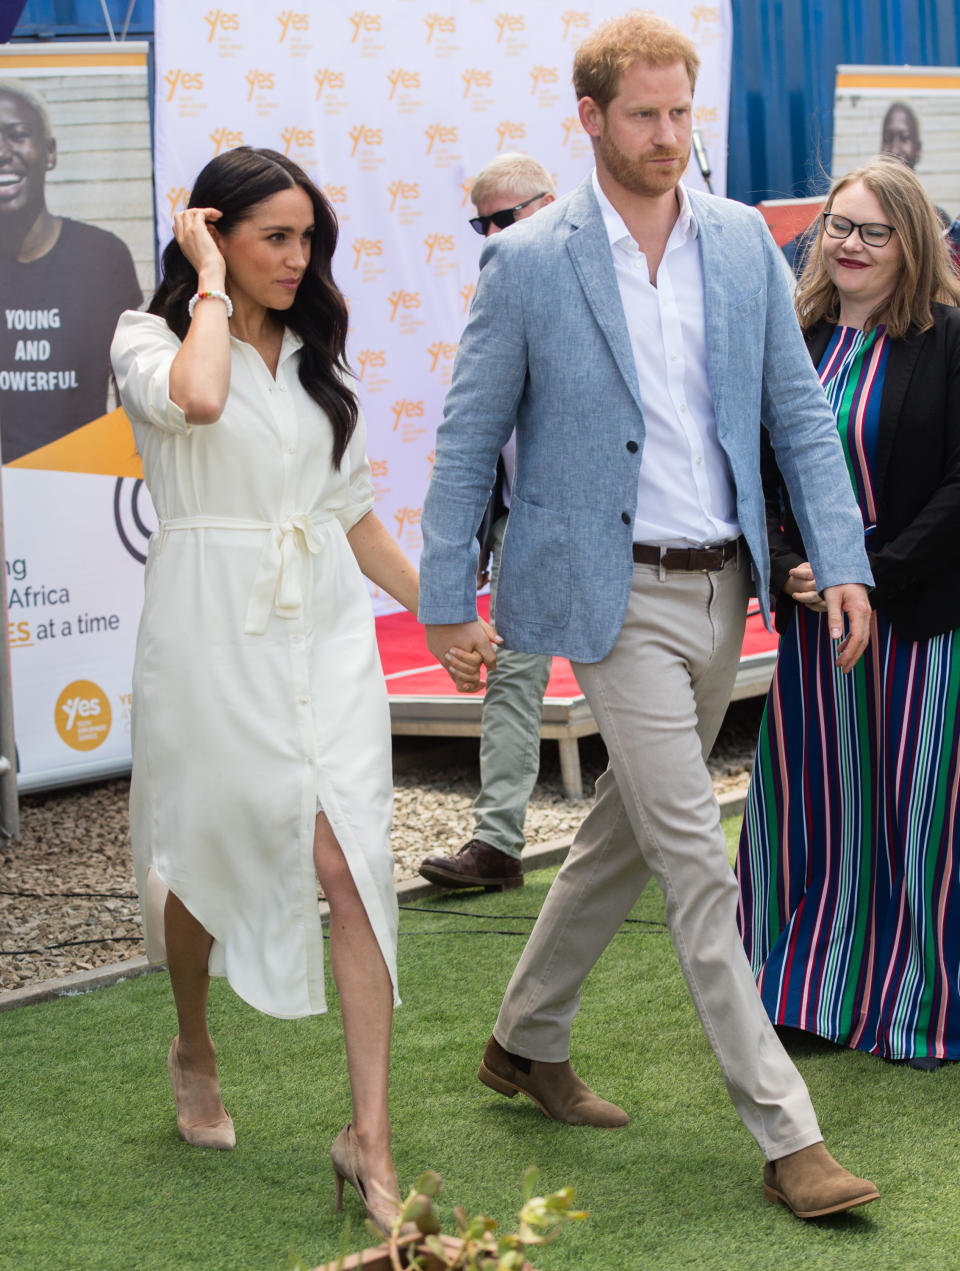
(477, 864)
(812, 1183)
(555, 1088)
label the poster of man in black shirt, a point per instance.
(63, 284)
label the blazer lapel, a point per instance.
(900, 363)
(592, 261)
(710, 233)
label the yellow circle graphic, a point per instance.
(82, 715)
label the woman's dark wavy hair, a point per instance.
(234, 183)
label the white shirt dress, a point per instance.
(257, 691)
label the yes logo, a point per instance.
(440, 352)
(82, 715)
(404, 409)
(703, 14)
(466, 295)
(325, 78)
(507, 131)
(437, 132)
(372, 359)
(335, 193)
(177, 198)
(509, 23)
(217, 20)
(379, 467)
(369, 137)
(366, 249)
(185, 80)
(299, 137)
(476, 79)
(705, 115)
(436, 23)
(290, 21)
(369, 23)
(259, 81)
(405, 190)
(402, 79)
(224, 139)
(437, 243)
(402, 300)
(543, 75)
(570, 125)
(574, 20)
(407, 516)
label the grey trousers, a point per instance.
(510, 735)
(659, 698)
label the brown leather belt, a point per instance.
(687, 558)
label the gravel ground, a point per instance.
(67, 898)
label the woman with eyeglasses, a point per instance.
(850, 849)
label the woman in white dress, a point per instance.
(261, 740)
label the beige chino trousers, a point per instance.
(659, 699)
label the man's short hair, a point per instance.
(613, 47)
(36, 103)
(518, 174)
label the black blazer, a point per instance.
(915, 551)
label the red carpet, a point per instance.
(411, 670)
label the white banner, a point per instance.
(392, 110)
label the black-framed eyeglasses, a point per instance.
(501, 219)
(873, 233)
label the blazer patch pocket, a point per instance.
(535, 571)
(741, 308)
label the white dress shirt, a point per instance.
(685, 494)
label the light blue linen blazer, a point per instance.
(546, 351)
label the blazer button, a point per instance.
(632, 447)
(625, 517)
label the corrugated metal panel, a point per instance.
(785, 55)
(68, 19)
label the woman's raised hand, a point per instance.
(191, 228)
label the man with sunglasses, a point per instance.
(511, 187)
(640, 337)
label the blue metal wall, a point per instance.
(785, 54)
(76, 19)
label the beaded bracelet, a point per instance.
(210, 295)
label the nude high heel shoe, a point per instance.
(382, 1210)
(219, 1134)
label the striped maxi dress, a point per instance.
(849, 852)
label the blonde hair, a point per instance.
(14, 89)
(517, 173)
(927, 274)
(614, 46)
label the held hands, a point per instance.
(847, 598)
(461, 649)
(191, 228)
(801, 586)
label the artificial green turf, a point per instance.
(94, 1178)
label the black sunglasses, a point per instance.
(501, 219)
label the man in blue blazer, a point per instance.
(638, 335)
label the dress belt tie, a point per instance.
(278, 585)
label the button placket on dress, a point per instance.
(282, 404)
